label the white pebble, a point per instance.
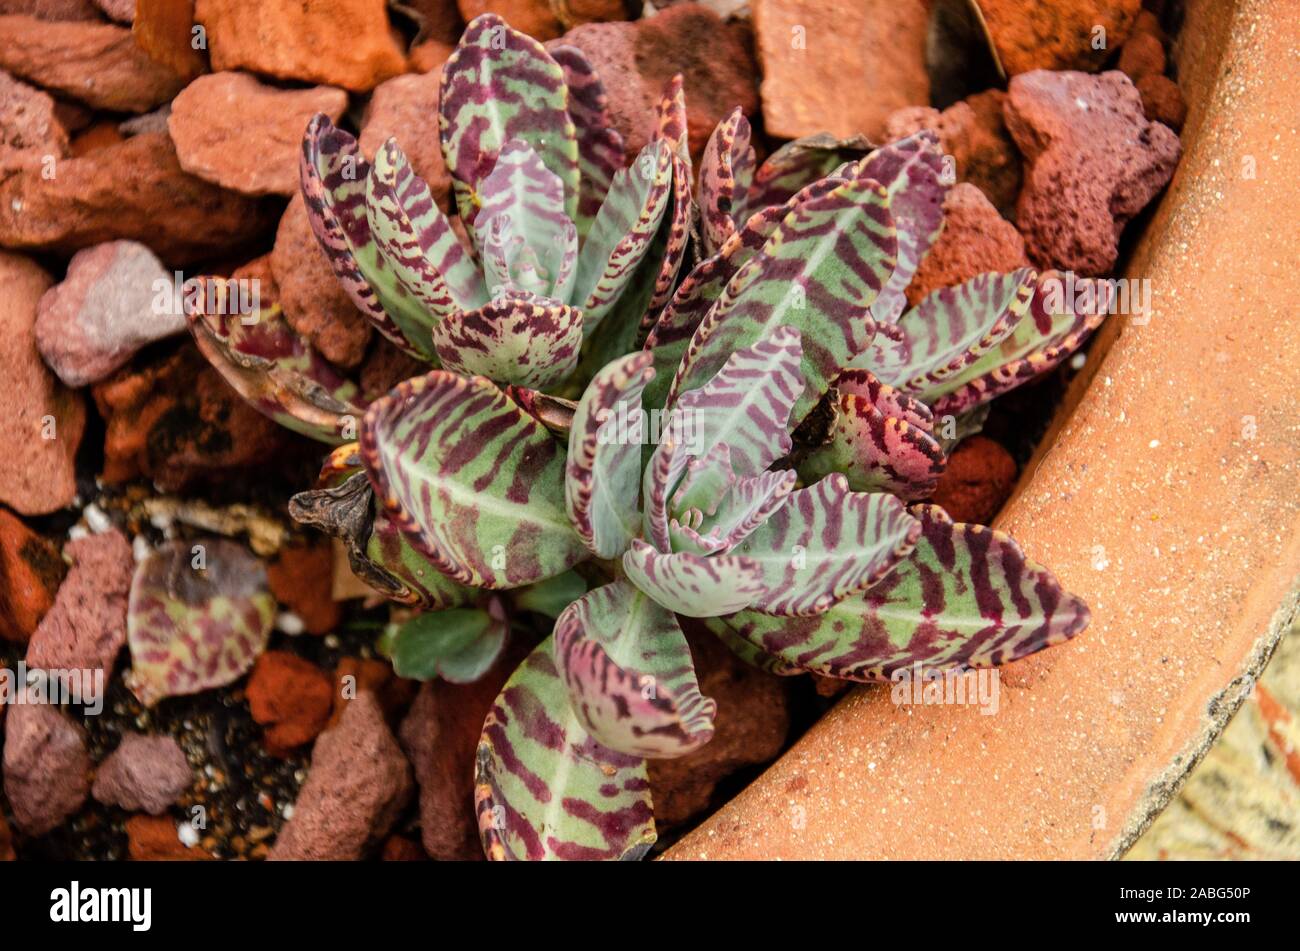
(188, 835)
(290, 623)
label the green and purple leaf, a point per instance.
(604, 462)
(726, 172)
(459, 645)
(681, 210)
(965, 597)
(517, 338)
(630, 676)
(476, 484)
(694, 585)
(819, 272)
(500, 85)
(198, 616)
(600, 147)
(800, 163)
(825, 544)
(544, 788)
(748, 505)
(271, 366)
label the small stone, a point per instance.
(975, 239)
(820, 56)
(635, 61)
(1162, 100)
(245, 135)
(30, 574)
(429, 55)
(300, 580)
(52, 9)
(1093, 162)
(155, 839)
(348, 43)
(974, 134)
(751, 725)
(977, 482)
(1142, 55)
(46, 766)
(86, 627)
(46, 420)
(291, 697)
(96, 63)
(31, 135)
(1057, 34)
(535, 17)
(406, 108)
(355, 674)
(103, 311)
(135, 190)
(357, 786)
(144, 774)
(313, 301)
(123, 11)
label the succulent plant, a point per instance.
(751, 444)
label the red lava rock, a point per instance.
(102, 312)
(46, 766)
(355, 674)
(975, 239)
(245, 135)
(438, 19)
(1056, 34)
(154, 839)
(313, 301)
(406, 108)
(440, 735)
(95, 63)
(6, 841)
(30, 574)
(300, 580)
(1162, 101)
(135, 190)
(144, 774)
(820, 56)
(30, 132)
(752, 721)
(123, 11)
(94, 138)
(1143, 54)
(86, 627)
(347, 43)
(635, 61)
(45, 420)
(178, 423)
(396, 849)
(385, 367)
(358, 784)
(977, 482)
(974, 134)
(291, 697)
(429, 55)
(1093, 162)
(52, 9)
(535, 17)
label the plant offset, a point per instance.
(648, 400)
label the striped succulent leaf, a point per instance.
(670, 249)
(334, 173)
(707, 481)
(703, 287)
(911, 170)
(551, 596)
(422, 585)
(658, 482)
(272, 366)
(935, 343)
(604, 463)
(458, 646)
(819, 273)
(517, 338)
(694, 585)
(630, 676)
(500, 85)
(889, 400)
(476, 484)
(198, 615)
(825, 544)
(726, 172)
(623, 232)
(965, 597)
(1054, 329)
(754, 656)
(416, 240)
(600, 147)
(544, 788)
(749, 504)
(798, 164)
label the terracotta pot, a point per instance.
(1168, 496)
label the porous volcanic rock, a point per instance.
(144, 774)
(975, 239)
(31, 135)
(1057, 34)
(30, 574)
(46, 766)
